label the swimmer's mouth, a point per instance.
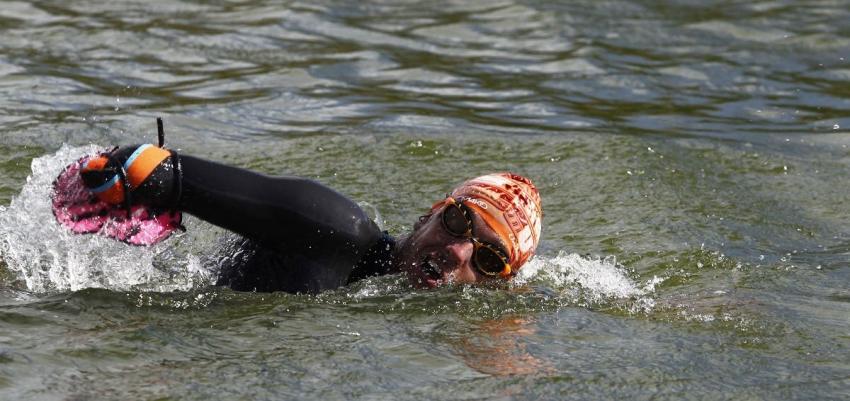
(430, 268)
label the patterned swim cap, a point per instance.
(510, 205)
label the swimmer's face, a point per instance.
(432, 256)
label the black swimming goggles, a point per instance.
(489, 259)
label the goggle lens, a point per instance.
(487, 259)
(456, 221)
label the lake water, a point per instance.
(692, 157)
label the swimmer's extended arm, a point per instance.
(322, 234)
(283, 212)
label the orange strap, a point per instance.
(145, 163)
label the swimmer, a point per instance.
(302, 236)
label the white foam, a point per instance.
(598, 279)
(47, 257)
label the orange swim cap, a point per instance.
(510, 204)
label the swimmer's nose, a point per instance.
(458, 254)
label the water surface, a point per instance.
(691, 155)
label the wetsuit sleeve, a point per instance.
(307, 221)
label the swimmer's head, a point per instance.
(488, 227)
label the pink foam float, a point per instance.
(78, 209)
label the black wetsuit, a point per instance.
(300, 236)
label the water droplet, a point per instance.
(836, 126)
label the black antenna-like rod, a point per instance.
(160, 131)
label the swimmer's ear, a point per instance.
(422, 220)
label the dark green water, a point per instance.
(692, 157)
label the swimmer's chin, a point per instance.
(419, 280)
(425, 284)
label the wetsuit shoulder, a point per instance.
(300, 235)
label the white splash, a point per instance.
(373, 213)
(47, 257)
(598, 279)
